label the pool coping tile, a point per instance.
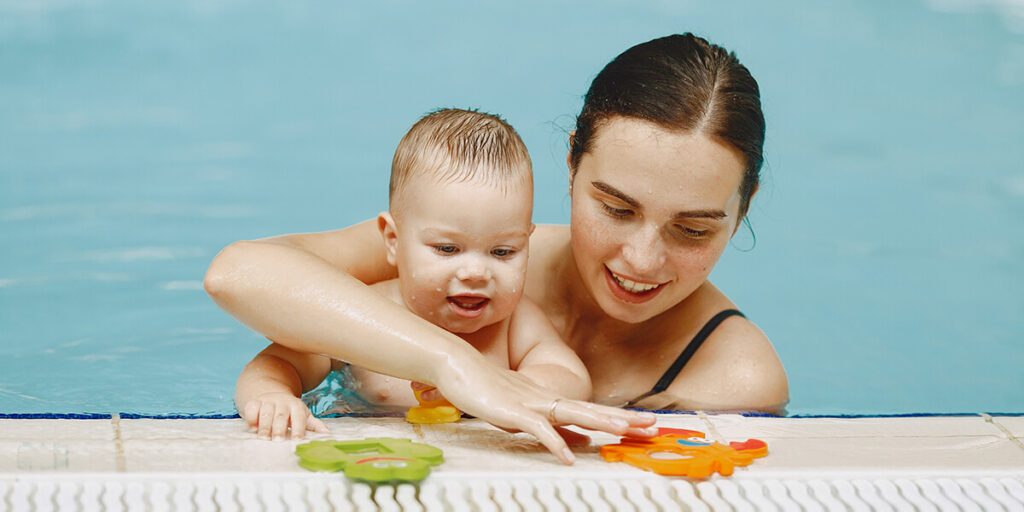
(47, 429)
(732, 426)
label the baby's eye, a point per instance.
(503, 252)
(446, 249)
(619, 213)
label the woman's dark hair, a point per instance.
(679, 82)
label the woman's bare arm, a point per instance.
(308, 292)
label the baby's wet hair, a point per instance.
(457, 145)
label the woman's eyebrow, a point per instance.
(687, 214)
(612, 191)
(700, 214)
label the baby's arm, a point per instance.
(537, 351)
(268, 390)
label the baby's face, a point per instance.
(461, 251)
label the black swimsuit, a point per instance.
(673, 371)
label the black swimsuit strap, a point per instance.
(673, 371)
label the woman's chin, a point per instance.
(626, 312)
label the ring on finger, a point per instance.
(551, 410)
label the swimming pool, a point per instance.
(137, 141)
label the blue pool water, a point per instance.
(138, 138)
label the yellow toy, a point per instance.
(681, 452)
(433, 411)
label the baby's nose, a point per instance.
(473, 271)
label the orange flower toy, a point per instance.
(681, 452)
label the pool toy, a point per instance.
(379, 459)
(681, 452)
(431, 411)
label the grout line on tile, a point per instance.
(989, 419)
(115, 422)
(713, 432)
(1009, 435)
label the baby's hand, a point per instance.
(271, 414)
(429, 395)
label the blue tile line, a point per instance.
(181, 416)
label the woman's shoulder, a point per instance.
(736, 368)
(546, 236)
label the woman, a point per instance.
(663, 164)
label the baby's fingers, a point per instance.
(316, 425)
(251, 413)
(266, 420)
(298, 417)
(280, 423)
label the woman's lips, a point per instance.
(468, 306)
(626, 295)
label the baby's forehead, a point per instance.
(496, 233)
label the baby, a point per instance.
(458, 231)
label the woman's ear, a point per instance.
(388, 230)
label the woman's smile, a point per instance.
(631, 291)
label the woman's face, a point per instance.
(652, 211)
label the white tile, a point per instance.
(953, 454)
(733, 427)
(51, 430)
(1015, 424)
(198, 455)
(66, 455)
(197, 429)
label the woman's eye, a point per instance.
(503, 252)
(689, 232)
(446, 250)
(617, 212)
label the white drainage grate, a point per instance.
(272, 492)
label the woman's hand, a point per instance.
(271, 415)
(512, 402)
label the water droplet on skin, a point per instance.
(412, 297)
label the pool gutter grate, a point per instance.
(272, 491)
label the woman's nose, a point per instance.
(644, 251)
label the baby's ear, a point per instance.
(388, 230)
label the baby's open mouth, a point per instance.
(468, 302)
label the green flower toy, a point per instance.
(381, 459)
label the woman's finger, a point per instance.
(570, 412)
(573, 438)
(545, 433)
(634, 418)
(298, 420)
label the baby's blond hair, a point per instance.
(457, 145)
